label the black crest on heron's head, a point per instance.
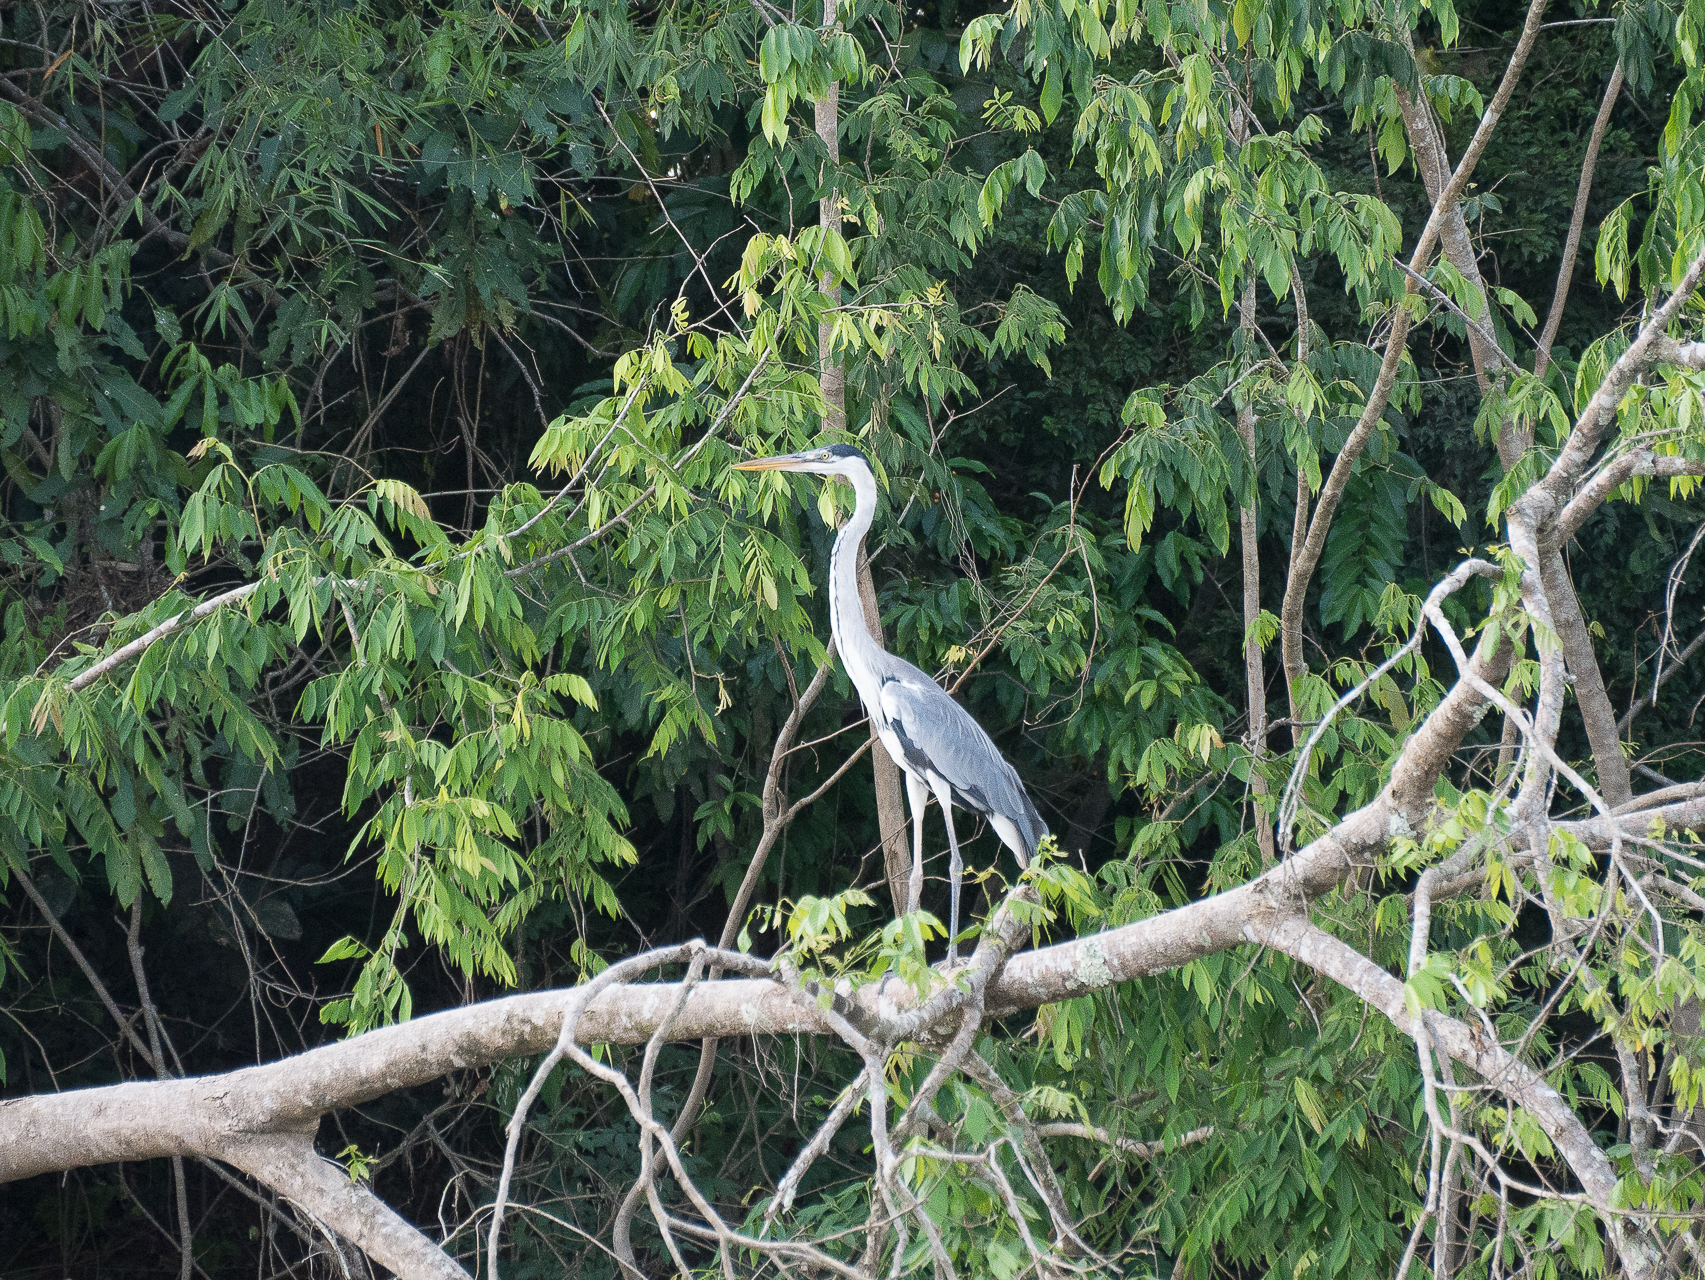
(846, 451)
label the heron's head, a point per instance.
(831, 460)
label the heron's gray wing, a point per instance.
(938, 735)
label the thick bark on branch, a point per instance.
(1650, 346)
(1590, 693)
(289, 1164)
(1686, 813)
(1617, 473)
(1545, 516)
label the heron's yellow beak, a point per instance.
(782, 462)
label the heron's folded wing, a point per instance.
(939, 736)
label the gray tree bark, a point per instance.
(1591, 696)
(1457, 246)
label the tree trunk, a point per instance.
(1290, 636)
(890, 807)
(1255, 678)
(1458, 249)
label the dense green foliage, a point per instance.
(424, 336)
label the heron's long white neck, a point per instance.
(846, 612)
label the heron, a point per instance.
(938, 746)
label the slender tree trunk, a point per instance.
(1566, 269)
(1290, 626)
(1255, 677)
(1445, 1245)
(1602, 727)
(830, 371)
(890, 803)
(186, 1232)
(1689, 1132)
(1458, 249)
(890, 806)
(1307, 550)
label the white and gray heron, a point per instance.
(934, 740)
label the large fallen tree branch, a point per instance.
(200, 1115)
(144, 1119)
(261, 1118)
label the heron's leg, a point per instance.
(917, 791)
(955, 872)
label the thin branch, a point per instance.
(1452, 583)
(1305, 559)
(149, 638)
(777, 818)
(1663, 678)
(126, 1026)
(1577, 220)
(1449, 303)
